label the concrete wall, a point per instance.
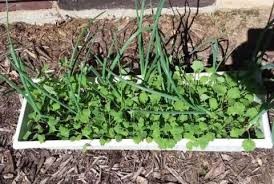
(243, 4)
(40, 12)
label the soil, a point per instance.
(46, 45)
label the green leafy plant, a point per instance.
(162, 104)
(128, 110)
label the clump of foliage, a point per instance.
(163, 104)
(123, 109)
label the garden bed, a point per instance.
(128, 144)
(218, 144)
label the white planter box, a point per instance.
(228, 145)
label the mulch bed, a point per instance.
(40, 45)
